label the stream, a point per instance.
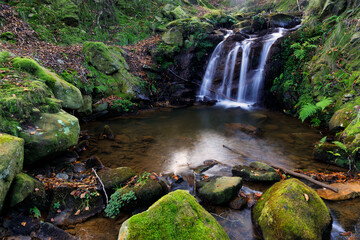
(176, 141)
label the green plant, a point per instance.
(347, 153)
(123, 105)
(310, 109)
(143, 177)
(117, 201)
(56, 205)
(35, 212)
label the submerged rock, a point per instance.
(219, 190)
(11, 162)
(50, 134)
(292, 210)
(177, 215)
(115, 177)
(243, 127)
(48, 231)
(256, 173)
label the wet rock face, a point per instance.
(11, 162)
(177, 215)
(65, 209)
(292, 210)
(219, 190)
(284, 20)
(50, 134)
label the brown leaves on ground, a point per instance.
(58, 58)
(139, 55)
(332, 177)
(53, 182)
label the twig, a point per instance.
(103, 187)
(295, 174)
(216, 215)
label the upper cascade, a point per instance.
(236, 70)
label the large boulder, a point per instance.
(173, 37)
(219, 190)
(25, 186)
(292, 210)
(50, 134)
(11, 162)
(69, 95)
(257, 172)
(177, 215)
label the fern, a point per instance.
(341, 145)
(324, 103)
(307, 110)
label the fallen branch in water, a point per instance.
(103, 187)
(295, 174)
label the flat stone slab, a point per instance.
(219, 190)
(346, 191)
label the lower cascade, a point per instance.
(241, 77)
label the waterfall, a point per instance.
(248, 86)
(211, 68)
(259, 75)
(246, 46)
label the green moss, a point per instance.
(284, 213)
(175, 216)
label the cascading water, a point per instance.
(211, 68)
(248, 87)
(246, 46)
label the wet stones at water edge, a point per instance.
(292, 210)
(115, 177)
(257, 172)
(232, 128)
(218, 190)
(177, 215)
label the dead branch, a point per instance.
(103, 187)
(295, 174)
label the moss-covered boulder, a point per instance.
(50, 134)
(179, 13)
(340, 119)
(69, 95)
(219, 190)
(115, 177)
(99, 56)
(173, 36)
(292, 210)
(177, 215)
(11, 162)
(86, 109)
(69, 12)
(25, 186)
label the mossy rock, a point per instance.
(98, 55)
(219, 190)
(70, 95)
(353, 128)
(177, 215)
(341, 119)
(25, 186)
(69, 12)
(146, 193)
(86, 109)
(11, 162)
(179, 13)
(49, 135)
(292, 210)
(174, 36)
(115, 177)
(254, 175)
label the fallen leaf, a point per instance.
(87, 208)
(51, 220)
(345, 233)
(77, 212)
(59, 211)
(23, 224)
(36, 189)
(306, 197)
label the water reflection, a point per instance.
(180, 140)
